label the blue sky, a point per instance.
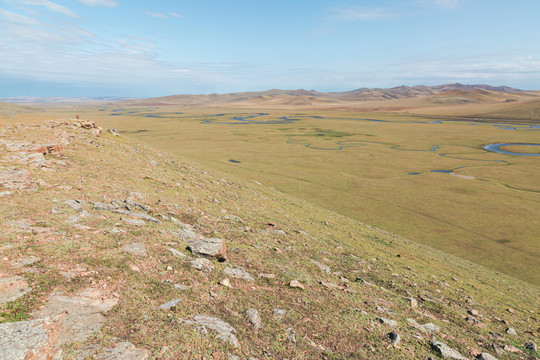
(164, 47)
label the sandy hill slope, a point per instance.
(113, 250)
(7, 109)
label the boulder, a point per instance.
(213, 248)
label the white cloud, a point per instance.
(445, 4)
(51, 6)
(360, 13)
(104, 3)
(164, 16)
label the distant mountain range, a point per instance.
(310, 97)
(282, 97)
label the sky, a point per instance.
(139, 48)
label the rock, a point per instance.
(76, 205)
(128, 203)
(232, 357)
(445, 351)
(32, 339)
(225, 282)
(134, 268)
(279, 313)
(121, 351)
(25, 261)
(486, 356)
(395, 338)
(135, 249)
(229, 339)
(389, 322)
(170, 304)
(203, 265)
(428, 328)
(254, 318)
(414, 302)
(187, 235)
(17, 179)
(180, 287)
(512, 349)
(531, 346)
(323, 267)
(81, 314)
(98, 206)
(473, 312)
(142, 216)
(511, 331)
(291, 337)
(497, 336)
(5, 193)
(239, 273)
(177, 253)
(213, 247)
(134, 222)
(12, 288)
(296, 284)
(329, 285)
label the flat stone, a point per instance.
(445, 351)
(239, 273)
(486, 356)
(279, 313)
(33, 339)
(254, 318)
(25, 261)
(99, 206)
(81, 314)
(203, 265)
(134, 222)
(121, 351)
(12, 288)
(170, 304)
(214, 324)
(187, 234)
(296, 284)
(177, 253)
(135, 249)
(142, 216)
(5, 193)
(428, 328)
(324, 268)
(76, 205)
(212, 247)
(389, 322)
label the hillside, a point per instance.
(114, 250)
(312, 97)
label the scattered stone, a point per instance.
(225, 330)
(279, 313)
(135, 249)
(497, 336)
(414, 302)
(473, 312)
(76, 205)
(232, 357)
(512, 349)
(142, 216)
(486, 356)
(134, 268)
(128, 204)
(17, 179)
(98, 206)
(254, 318)
(121, 351)
(389, 322)
(531, 346)
(323, 267)
(511, 331)
(445, 351)
(28, 339)
(134, 222)
(203, 265)
(5, 193)
(212, 247)
(116, 230)
(180, 287)
(177, 253)
(12, 288)
(187, 234)
(296, 284)
(225, 282)
(239, 273)
(170, 304)
(511, 311)
(291, 337)
(25, 261)
(428, 328)
(229, 339)
(329, 285)
(395, 338)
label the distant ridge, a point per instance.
(311, 97)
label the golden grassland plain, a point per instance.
(379, 172)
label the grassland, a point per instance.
(364, 169)
(374, 274)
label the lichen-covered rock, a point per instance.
(446, 351)
(213, 247)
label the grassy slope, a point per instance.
(328, 323)
(489, 220)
